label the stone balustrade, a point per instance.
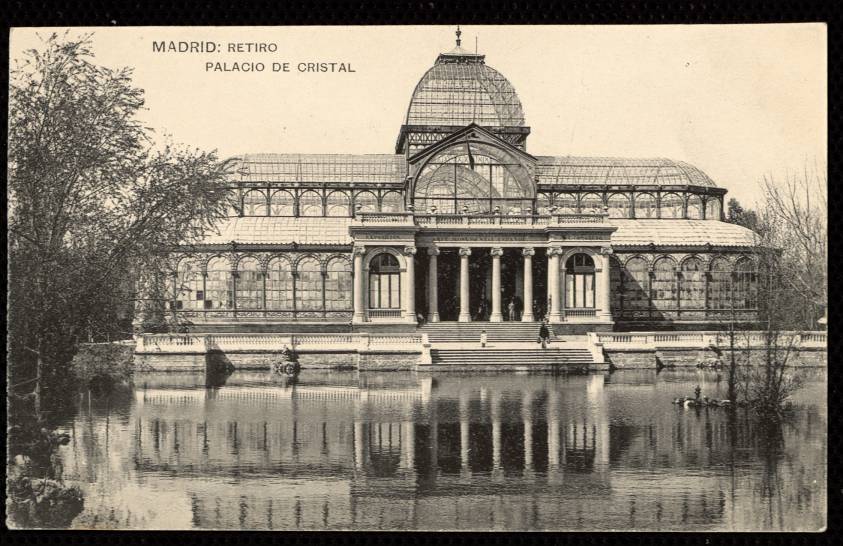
(633, 340)
(203, 343)
(482, 220)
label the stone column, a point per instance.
(606, 284)
(553, 283)
(527, 315)
(359, 285)
(410, 285)
(465, 312)
(496, 315)
(433, 284)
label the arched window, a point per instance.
(310, 204)
(695, 207)
(616, 286)
(566, 203)
(189, 286)
(664, 285)
(713, 209)
(636, 277)
(645, 206)
(618, 206)
(692, 285)
(392, 201)
(579, 281)
(219, 285)
(367, 202)
(338, 204)
(249, 284)
(309, 285)
(477, 176)
(281, 204)
(720, 285)
(542, 203)
(279, 285)
(671, 206)
(254, 203)
(591, 203)
(384, 282)
(338, 285)
(746, 285)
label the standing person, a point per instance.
(544, 334)
(511, 309)
(482, 338)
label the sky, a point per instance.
(738, 101)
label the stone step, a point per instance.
(511, 357)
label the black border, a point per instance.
(22, 13)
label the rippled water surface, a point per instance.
(407, 451)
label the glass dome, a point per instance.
(461, 89)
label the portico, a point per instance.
(483, 267)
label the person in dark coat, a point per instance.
(544, 334)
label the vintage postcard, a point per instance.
(533, 278)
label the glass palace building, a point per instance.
(462, 223)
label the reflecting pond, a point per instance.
(347, 450)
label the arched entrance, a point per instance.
(579, 282)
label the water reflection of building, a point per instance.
(398, 451)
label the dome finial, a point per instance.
(459, 32)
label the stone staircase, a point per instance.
(512, 359)
(469, 332)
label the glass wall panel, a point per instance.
(671, 206)
(695, 207)
(282, 203)
(720, 285)
(392, 201)
(219, 285)
(254, 203)
(664, 285)
(591, 203)
(338, 204)
(713, 209)
(279, 285)
(746, 285)
(367, 201)
(619, 206)
(249, 284)
(309, 285)
(189, 286)
(310, 204)
(645, 206)
(566, 203)
(338, 285)
(692, 285)
(636, 288)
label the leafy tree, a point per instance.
(92, 203)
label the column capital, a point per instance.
(555, 251)
(496, 251)
(606, 250)
(465, 251)
(359, 250)
(410, 250)
(433, 251)
(528, 251)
